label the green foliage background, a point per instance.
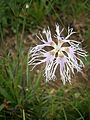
(23, 94)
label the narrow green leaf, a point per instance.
(4, 93)
(1, 107)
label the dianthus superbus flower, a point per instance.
(55, 51)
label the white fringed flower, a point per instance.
(65, 53)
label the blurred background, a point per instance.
(24, 94)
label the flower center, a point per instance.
(57, 48)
